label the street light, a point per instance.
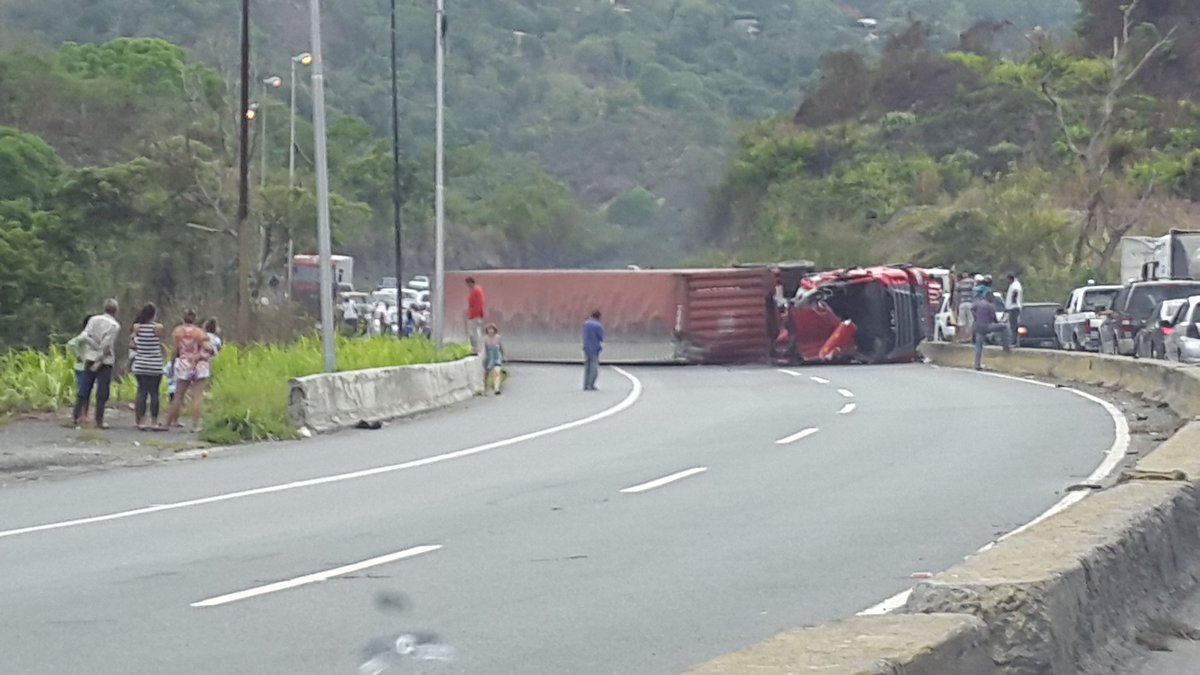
(303, 59)
(252, 112)
(274, 82)
(397, 223)
(323, 244)
(439, 199)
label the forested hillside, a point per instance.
(1037, 162)
(585, 132)
(624, 100)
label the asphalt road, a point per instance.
(680, 513)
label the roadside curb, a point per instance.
(1067, 594)
(332, 401)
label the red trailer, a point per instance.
(872, 315)
(650, 316)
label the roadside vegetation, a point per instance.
(249, 390)
(1037, 161)
(250, 386)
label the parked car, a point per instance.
(1182, 341)
(1078, 325)
(1035, 328)
(419, 283)
(1151, 339)
(386, 282)
(946, 320)
(1132, 309)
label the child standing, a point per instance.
(493, 350)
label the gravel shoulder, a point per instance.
(47, 446)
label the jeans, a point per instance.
(981, 340)
(147, 388)
(475, 334)
(591, 370)
(1014, 318)
(101, 380)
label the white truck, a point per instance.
(1077, 326)
(1175, 255)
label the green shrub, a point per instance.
(250, 386)
(249, 389)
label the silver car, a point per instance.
(1183, 342)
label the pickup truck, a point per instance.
(1077, 327)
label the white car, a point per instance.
(1182, 343)
(946, 321)
(419, 283)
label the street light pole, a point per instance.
(275, 82)
(243, 231)
(397, 222)
(323, 243)
(304, 58)
(439, 199)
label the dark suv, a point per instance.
(1132, 309)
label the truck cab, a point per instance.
(1077, 327)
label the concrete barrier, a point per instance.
(338, 400)
(1067, 595)
(934, 644)
(1175, 384)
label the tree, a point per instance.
(635, 208)
(1089, 137)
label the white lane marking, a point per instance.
(847, 409)
(803, 433)
(624, 404)
(1112, 460)
(846, 393)
(659, 482)
(819, 380)
(789, 372)
(316, 577)
(887, 606)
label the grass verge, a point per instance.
(250, 386)
(249, 390)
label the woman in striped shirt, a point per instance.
(145, 341)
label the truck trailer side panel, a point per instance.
(650, 316)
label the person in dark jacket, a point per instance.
(986, 322)
(593, 344)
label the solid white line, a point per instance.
(789, 372)
(887, 606)
(1112, 460)
(659, 482)
(804, 433)
(819, 380)
(846, 393)
(314, 578)
(847, 409)
(625, 403)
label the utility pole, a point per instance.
(323, 238)
(243, 231)
(397, 219)
(439, 199)
(303, 58)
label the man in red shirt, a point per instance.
(474, 314)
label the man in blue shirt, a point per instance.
(593, 344)
(983, 311)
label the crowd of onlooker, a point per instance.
(183, 358)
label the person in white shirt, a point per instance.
(350, 316)
(98, 359)
(1013, 302)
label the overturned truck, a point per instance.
(713, 316)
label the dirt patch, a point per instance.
(47, 446)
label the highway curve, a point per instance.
(677, 514)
